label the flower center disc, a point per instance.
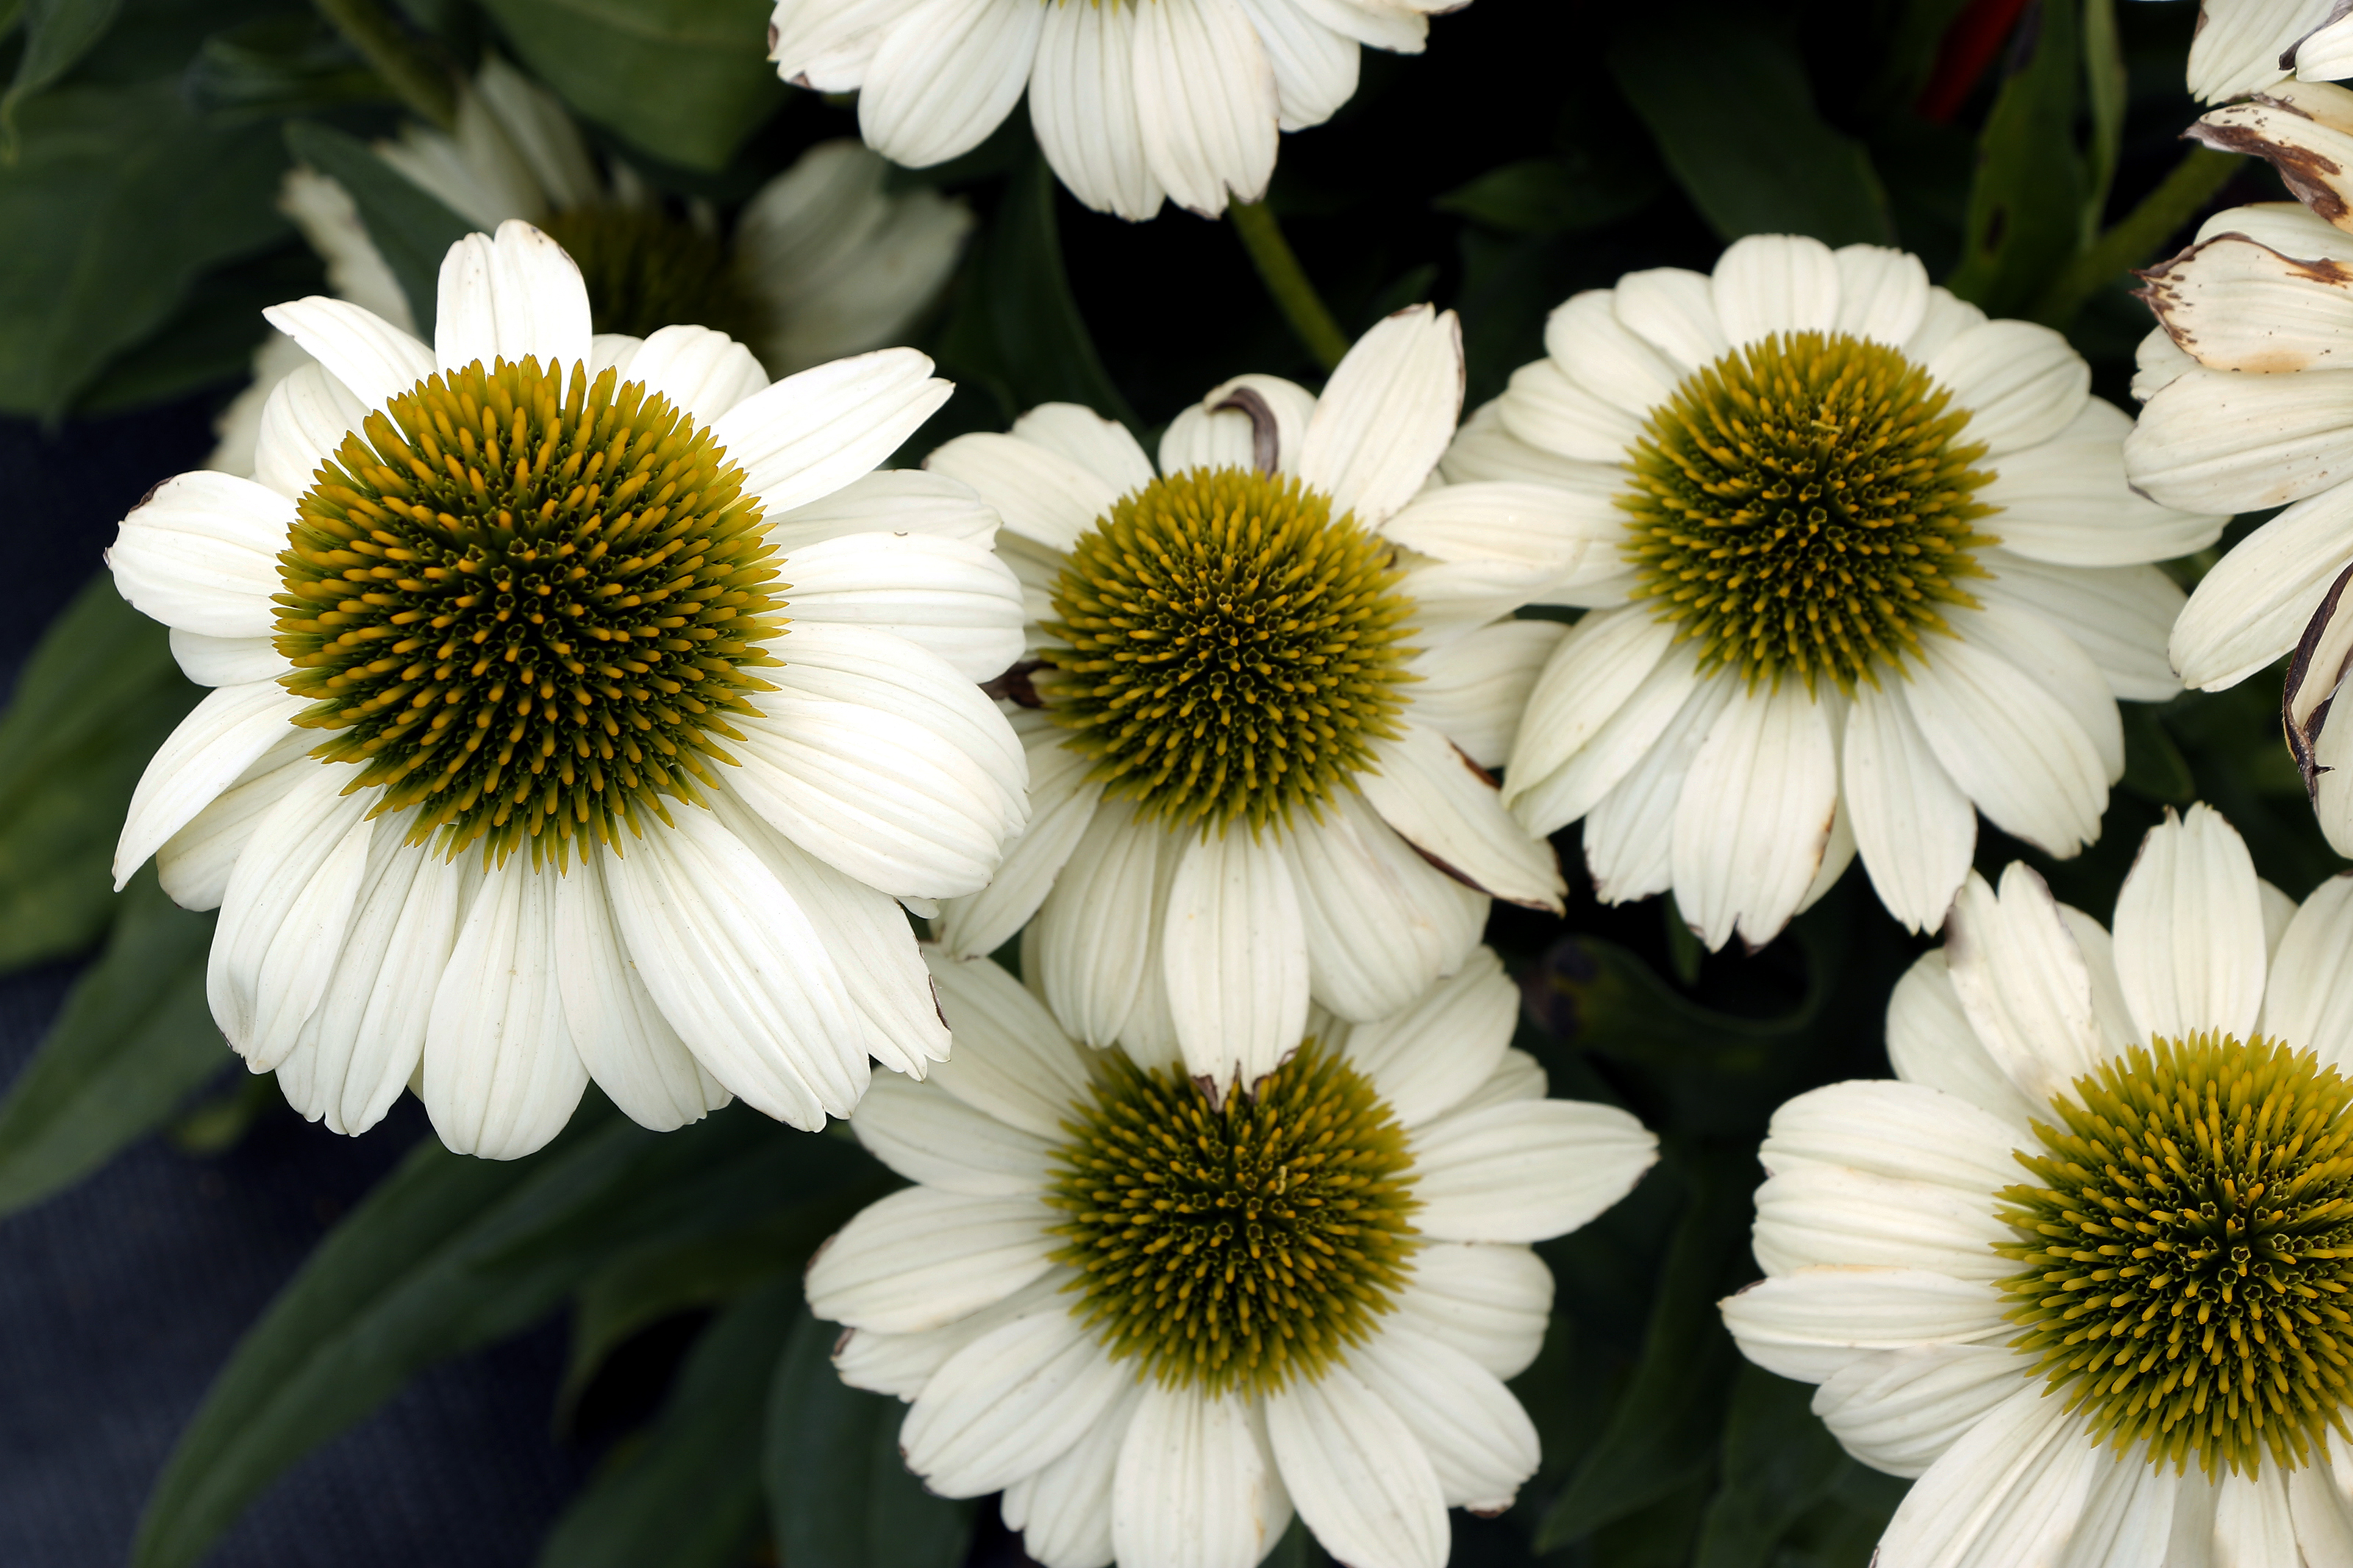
(522, 605)
(645, 270)
(1233, 646)
(1804, 504)
(2188, 1251)
(1233, 1245)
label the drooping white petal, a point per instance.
(1630, 836)
(208, 751)
(811, 433)
(1082, 108)
(956, 599)
(1427, 1058)
(1546, 802)
(1356, 1474)
(1809, 1324)
(2119, 616)
(1770, 283)
(1907, 1130)
(1066, 1506)
(1205, 103)
(2017, 752)
(1491, 1302)
(2236, 47)
(1386, 414)
(2038, 647)
(2010, 1491)
(2309, 1003)
(623, 1041)
(1474, 689)
(1315, 66)
(1098, 932)
(1539, 525)
(738, 968)
(374, 360)
(1062, 800)
(1931, 1041)
(1011, 1061)
(512, 296)
(1526, 1171)
(1754, 817)
(827, 45)
(1598, 668)
(2254, 604)
(2023, 983)
(1381, 923)
(1451, 811)
(922, 1258)
(1946, 318)
(1010, 1401)
(288, 903)
(1215, 434)
(1235, 957)
(928, 1135)
(1900, 1410)
(501, 1072)
(2215, 441)
(1195, 1485)
(2067, 500)
(1479, 1441)
(1913, 828)
(201, 553)
(2021, 382)
(702, 373)
(193, 865)
(943, 75)
(226, 661)
(2190, 930)
(1544, 408)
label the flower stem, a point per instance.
(2188, 187)
(1286, 280)
(404, 64)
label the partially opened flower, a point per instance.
(2081, 1269)
(1131, 102)
(820, 263)
(1272, 672)
(516, 771)
(2247, 410)
(1159, 1316)
(2244, 46)
(1878, 571)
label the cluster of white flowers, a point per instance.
(588, 705)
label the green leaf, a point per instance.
(1726, 99)
(839, 1494)
(2026, 206)
(1571, 193)
(99, 696)
(58, 33)
(685, 79)
(1779, 1460)
(2154, 767)
(276, 66)
(687, 1493)
(134, 1039)
(448, 1253)
(2106, 93)
(210, 338)
(120, 199)
(412, 228)
(1663, 1433)
(1015, 327)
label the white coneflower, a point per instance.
(1274, 670)
(1159, 1318)
(1131, 101)
(514, 766)
(821, 263)
(2249, 408)
(2244, 47)
(1878, 571)
(2081, 1269)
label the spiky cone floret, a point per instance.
(520, 769)
(1159, 1318)
(1878, 572)
(820, 263)
(2084, 1268)
(1267, 676)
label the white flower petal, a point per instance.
(1555, 415)
(226, 661)
(1491, 1302)
(514, 297)
(2236, 304)
(1315, 66)
(1883, 294)
(811, 433)
(373, 359)
(930, 1136)
(1386, 414)
(193, 865)
(2023, 983)
(1474, 689)
(1913, 828)
(1809, 1324)
(1195, 1488)
(2010, 1491)
(2253, 605)
(1529, 525)
(2022, 383)
(1588, 342)
(1526, 1171)
(1098, 932)
(1066, 1506)
(1427, 1059)
(1673, 308)
(2190, 930)
(900, 1364)
(1211, 435)
(501, 1073)
(1011, 1061)
(1480, 1442)
(922, 1257)
(887, 500)
(287, 906)
(1946, 319)
(1082, 108)
(1900, 1410)
(201, 553)
(737, 968)
(2016, 750)
(2157, 362)
(1012, 1400)
(2216, 441)
(1770, 283)
(958, 600)
(305, 420)
(827, 45)
(1754, 818)
(1062, 801)
(2119, 616)
(1042, 495)
(943, 75)
(1356, 1473)
(1930, 1041)
(1630, 836)
(1546, 802)
(623, 1041)
(2040, 648)
(1235, 957)
(1451, 811)
(2322, 1507)
(1907, 1132)
(1102, 447)
(1206, 102)
(2236, 47)
(1381, 923)
(701, 372)
(1826, 1214)
(210, 750)
(2309, 1002)
(2067, 501)
(1372, 23)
